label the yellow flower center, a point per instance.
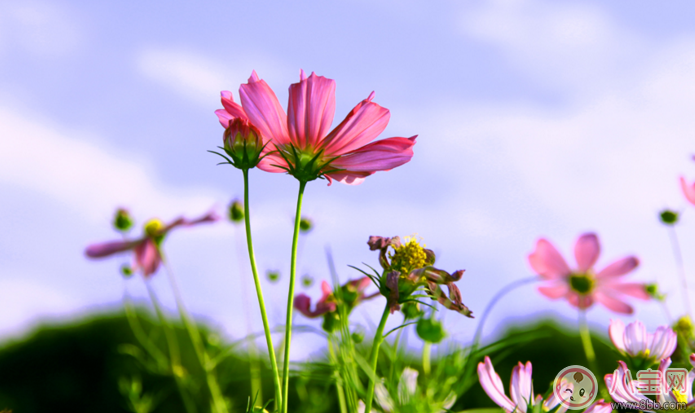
(409, 256)
(582, 283)
(153, 227)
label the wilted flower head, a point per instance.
(409, 266)
(303, 143)
(146, 248)
(350, 294)
(634, 341)
(582, 285)
(520, 388)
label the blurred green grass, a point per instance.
(76, 367)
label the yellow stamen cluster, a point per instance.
(409, 256)
(153, 227)
(680, 397)
(582, 283)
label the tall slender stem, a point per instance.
(338, 385)
(681, 268)
(174, 354)
(374, 357)
(259, 293)
(290, 298)
(589, 350)
(220, 406)
(426, 350)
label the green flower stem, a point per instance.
(140, 334)
(174, 354)
(259, 293)
(589, 351)
(374, 356)
(219, 405)
(678, 256)
(290, 298)
(338, 386)
(426, 350)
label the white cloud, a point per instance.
(41, 28)
(201, 78)
(575, 45)
(69, 167)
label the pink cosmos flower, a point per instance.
(146, 249)
(688, 190)
(520, 388)
(672, 396)
(636, 342)
(352, 293)
(582, 286)
(302, 142)
(621, 386)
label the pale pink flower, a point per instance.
(599, 406)
(301, 141)
(671, 396)
(146, 250)
(520, 388)
(636, 342)
(622, 387)
(688, 190)
(582, 286)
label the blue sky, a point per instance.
(535, 118)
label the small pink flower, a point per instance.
(303, 303)
(636, 342)
(688, 190)
(145, 248)
(353, 292)
(582, 286)
(520, 388)
(303, 143)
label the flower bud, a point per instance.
(122, 221)
(126, 271)
(669, 217)
(243, 143)
(306, 224)
(653, 291)
(358, 335)
(307, 281)
(273, 275)
(430, 330)
(411, 310)
(236, 211)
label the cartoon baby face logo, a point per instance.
(575, 387)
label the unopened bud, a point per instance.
(122, 221)
(126, 271)
(273, 275)
(653, 291)
(669, 217)
(243, 143)
(236, 211)
(430, 330)
(411, 310)
(306, 224)
(358, 335)
(307, 281)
